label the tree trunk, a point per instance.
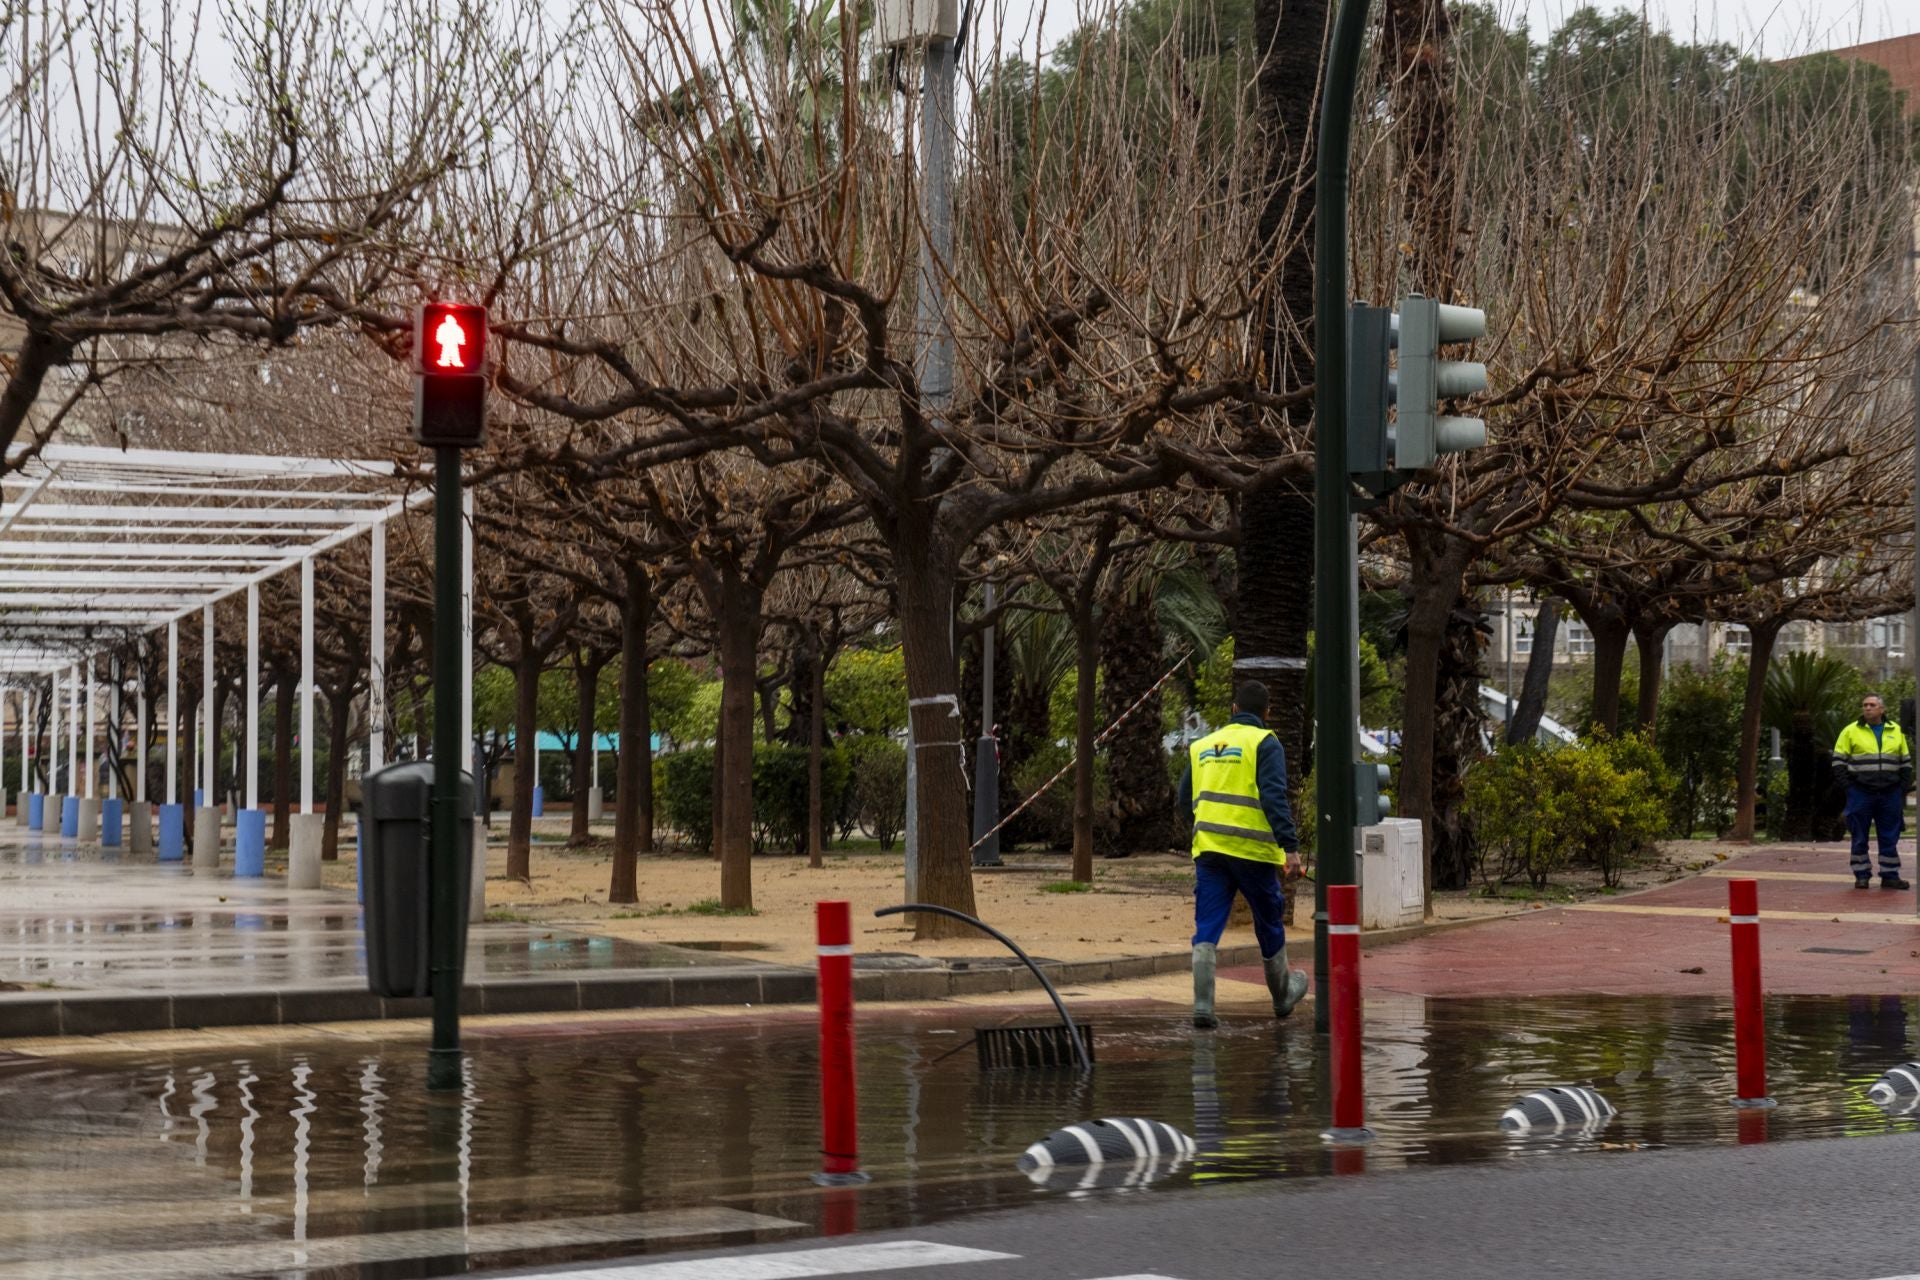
(1460, 719)
(719, 796)
(739, 641)
(1746, 768)
(633, 805)
(1086, 655)
(1437, 568)
(587, 699)
(339, 712)
(1651, 639)
(1523, 722)
(816, 753)
(926, 574)
(283, 690)
(1139, 794)
(1609, 657)
(526, 705)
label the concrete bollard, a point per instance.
(23, 809)
(206, 839)
(141, 826)
(112, 823)
(173, 832)
(69, 817)
(250, 843)
(86, 820)
(596, 804)
(303, 855)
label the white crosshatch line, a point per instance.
(812, 1264)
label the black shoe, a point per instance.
(1862, 882)
(1893, 882)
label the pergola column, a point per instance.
(250, 825)
(309, 827)
(173, 828)
(206, 818)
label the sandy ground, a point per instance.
(1137, 906)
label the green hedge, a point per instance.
(1537, 810)
(683, 787)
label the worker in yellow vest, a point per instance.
(1236, 791)
(1873, 759)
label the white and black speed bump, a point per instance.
(1899, 1087)
(1557, 1108)
(1098, 1141)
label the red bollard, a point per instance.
(1749, 1016)
(839, 1114)
(1343, 1016)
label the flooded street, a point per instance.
(318, 1157)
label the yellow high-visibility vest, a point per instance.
(1227, 817)
(1869, 762)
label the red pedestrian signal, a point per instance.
(449, 374)
(450, 339)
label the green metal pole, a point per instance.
(443, 1060)
(1333, 587)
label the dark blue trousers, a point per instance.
(1885, 811)
(1216, 878)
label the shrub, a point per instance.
(683, 789)
(683, 786)
(876, 797)
(1700, 741)
(1538, 809)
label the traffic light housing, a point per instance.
(1424, 380)
(1370, 801)
(450, 374)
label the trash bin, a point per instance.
(398, 846)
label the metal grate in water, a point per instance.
(1030, 1048)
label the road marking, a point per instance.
(846, 1260)
(1716, 913)
(1814, 877)
(328, 1253)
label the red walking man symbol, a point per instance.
(451, 338)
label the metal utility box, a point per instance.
(898, 22)
(1392, 883)
(398, 846)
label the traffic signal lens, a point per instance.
(451, 339)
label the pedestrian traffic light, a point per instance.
(1424, 381)
(1370, 801)
(449, 374)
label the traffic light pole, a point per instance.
(443, 1060)
(1333, 586)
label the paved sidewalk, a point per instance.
(1819, 936)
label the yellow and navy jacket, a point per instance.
(1236, 793)
(1873, 762)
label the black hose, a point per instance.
(1073, 1032)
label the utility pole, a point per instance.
(930, 316)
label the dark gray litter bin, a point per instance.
(398, 845)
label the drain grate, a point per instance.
(1837, 951)
(1026, 1048)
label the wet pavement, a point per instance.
(571, 1142)
(85, 919)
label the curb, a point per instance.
(83, 1013)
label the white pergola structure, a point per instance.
(102, 547)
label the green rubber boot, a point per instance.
(1287, 986)
(1205, 960)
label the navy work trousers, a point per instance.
(1216, 878)
(1885, 811)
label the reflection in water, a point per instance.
(551, 1123)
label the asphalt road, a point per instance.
(1835, 1209)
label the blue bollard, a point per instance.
(36, 812)
(539, 802)
(250, 843)
(199, 797)
(70, 817)
(173, 832)
(110, 821)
